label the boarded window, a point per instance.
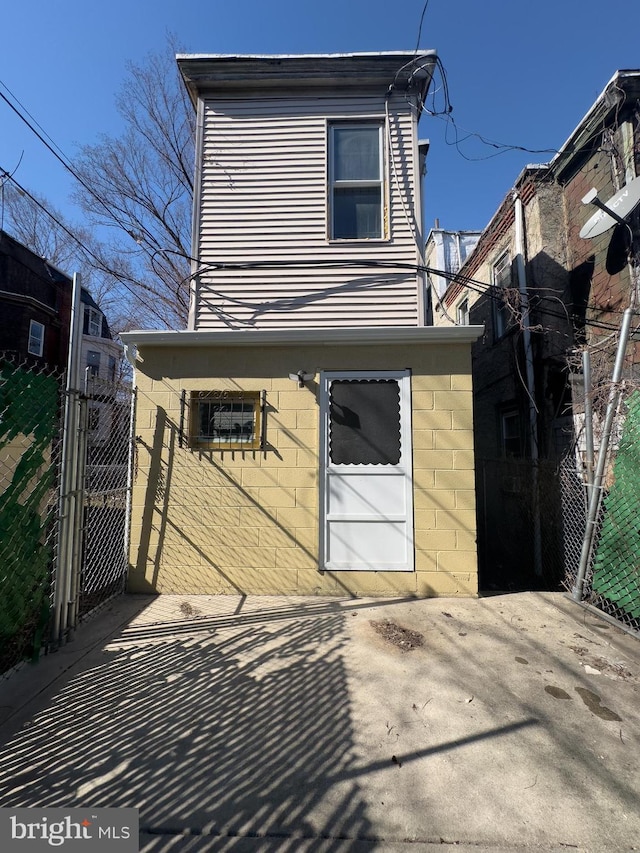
(364, 422)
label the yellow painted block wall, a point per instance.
(246, 521)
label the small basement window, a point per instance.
(225, 420)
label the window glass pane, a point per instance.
(228, 421)
(357, 213)
(356, 153)
(93, 362)
(364, 422)
(36, 338)
(511, 434)
(92, 322)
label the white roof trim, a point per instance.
(383, 335)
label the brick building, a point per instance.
(543, 293)
(35, 306)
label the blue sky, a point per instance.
(519, 73)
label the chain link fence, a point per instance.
(64, 504)
(31, 402)
(612, 576)
(106, 492)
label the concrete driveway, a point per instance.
(305, 724)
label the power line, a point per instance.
(64, 161)
(424, 9)
(79, 242)
(445, 114)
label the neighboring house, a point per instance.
(543, 293)
(35, 318)
(446, 251)
(308, 433)
(35, 306)
(101, 361)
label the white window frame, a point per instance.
(334, 184)
(462, 312)
(94, 320)
(35, 345)
(501, 280)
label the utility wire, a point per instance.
(481, 287)
(63, 160)
(424, 9)
(83, 246)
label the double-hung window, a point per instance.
(92, 322)
(462, 312)
(501, 275)
(36, 338)
(356, 181)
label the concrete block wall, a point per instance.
(247, 521)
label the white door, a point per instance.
(366, 485)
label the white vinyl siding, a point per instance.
(264, 198)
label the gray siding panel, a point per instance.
(264, 201)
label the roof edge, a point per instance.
(348, 336)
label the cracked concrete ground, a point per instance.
(507, 723)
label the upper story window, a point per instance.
(92, 322)
(36, 338)
(501, 280)
(356, 182)
(462, 312)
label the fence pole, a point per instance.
(595, 498)
(131, 460)
(68, 471)
(588, 421)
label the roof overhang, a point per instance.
(378, 336)
(623, 87)
(227, 73)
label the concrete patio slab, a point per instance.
(296, 724)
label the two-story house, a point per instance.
(308, 433)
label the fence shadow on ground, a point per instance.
(235, 722)
(231, 738)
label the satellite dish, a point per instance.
(622, 203)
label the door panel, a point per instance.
(366, 501)
(367, 494)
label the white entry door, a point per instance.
(366, 463)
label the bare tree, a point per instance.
(37, 224)
(139, 185)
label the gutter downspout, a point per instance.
(530, 378)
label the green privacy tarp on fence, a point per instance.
(29, 403)
(616, 569)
